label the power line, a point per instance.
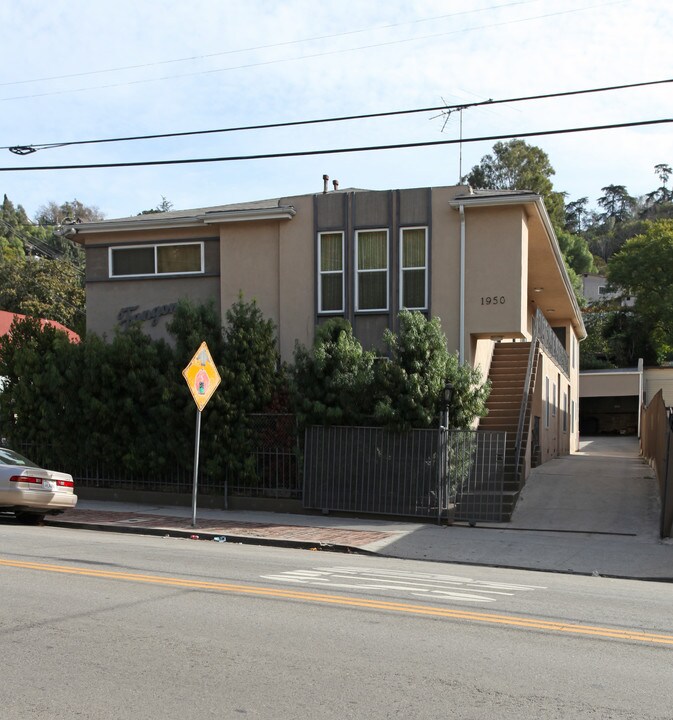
(310, 56)
(41, 247)
(270, 46)
(28, 149)
(337, 151)
(51, 255)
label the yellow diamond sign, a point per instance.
(202, 376)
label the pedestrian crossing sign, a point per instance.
(201, 376)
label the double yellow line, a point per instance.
(345, 601)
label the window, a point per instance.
(414, 268)
(371, 270)
(572, 416)
(176, 259)
(331, 272)
(602, 290)
(547, 408)
(553, 407)
(565, 412)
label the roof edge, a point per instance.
(146, 222)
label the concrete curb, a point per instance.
(239, 539)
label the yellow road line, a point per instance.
(343, 600)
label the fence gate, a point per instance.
(476, 474)
(419, 473)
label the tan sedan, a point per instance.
(32, 492)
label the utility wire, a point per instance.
(41, 247)
(337, 151)
(311, 55)
(51, 255)
(28, 149)
(315, 38)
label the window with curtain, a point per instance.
(331, 272)
(176, 259)
(371, 253)
(414, 268)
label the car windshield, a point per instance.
(9, 457)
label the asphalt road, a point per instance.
(98, 625)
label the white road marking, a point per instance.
(433, 586)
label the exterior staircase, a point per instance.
(508, 376)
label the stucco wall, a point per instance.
(610, 384)
(445, 265)
(659, 379)
(496, 271)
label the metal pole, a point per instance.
(197, 440)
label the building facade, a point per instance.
(486, 263)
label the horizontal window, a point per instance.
(331, 272)
(414, 268)
(144, 260)
(371, 258)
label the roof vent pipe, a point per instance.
(325, 180)
(335, 184)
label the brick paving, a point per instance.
(302, 533)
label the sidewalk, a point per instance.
(595, 512)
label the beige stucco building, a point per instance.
(487, 263)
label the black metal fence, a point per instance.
(476, 472)
(272, 467)
(419, 473)
(431, 474)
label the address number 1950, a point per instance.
(493, 300)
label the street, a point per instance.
(100, 625)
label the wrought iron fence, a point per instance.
(419, 473)
(272, 467)
(274, 458)
(476, 473)
(550, 342)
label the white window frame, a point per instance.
(424, 268)
(553, 407)
(154, 246)
(378, 270)
(332, 272)
(547, 406)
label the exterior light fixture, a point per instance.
(447, 395)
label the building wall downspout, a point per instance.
(640, 392)
(461, 346)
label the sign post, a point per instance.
(202, 379)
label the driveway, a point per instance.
(605, 488)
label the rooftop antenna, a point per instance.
(446, 114)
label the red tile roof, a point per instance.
(7, 318)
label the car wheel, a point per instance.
(30, 518)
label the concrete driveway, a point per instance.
(605, 488)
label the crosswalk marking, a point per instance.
(435, 586)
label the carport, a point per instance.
(610, 401)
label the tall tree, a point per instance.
(12, 219)
(576, 213)
(658, 204)
(642, 269)
(516, 165)
(73, 211)
(618, 206)
(43, 288)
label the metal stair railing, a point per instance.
(543, 335)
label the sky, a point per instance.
(79, 70)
